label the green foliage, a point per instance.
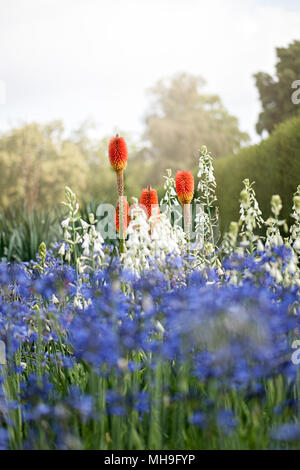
(21, 232)
(276, 92)
(274, 165)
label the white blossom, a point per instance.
(84, 224)
(62, 249)
(65, 222)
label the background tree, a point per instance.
(275, 92)
(182, 119)
(36, 163)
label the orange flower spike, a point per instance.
(184, 186)
(149, 201)
(126, 215)
(184, 181)
(118, 156)
(118, 153)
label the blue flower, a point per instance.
(227, 421)
(287, 432)
(4, 439)
(198, 419)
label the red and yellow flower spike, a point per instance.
(184, 181)
(149, 201)
(118, 153)
(118, 156)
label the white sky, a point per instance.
(79, 59)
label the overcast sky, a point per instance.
(79, 59)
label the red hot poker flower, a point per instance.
(184, 186)
(118, 153)
(149, 201)
(126, 215)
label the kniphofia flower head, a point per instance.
(118, 153)
(184, 186)
(149, 201)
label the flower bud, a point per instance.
(149, 201)
(276, 204)
(234, 228)
(118, 153)
(245, 197)
(296, 201)
(184, 186)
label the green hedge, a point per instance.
(274, 165)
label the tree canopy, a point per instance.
(36, 162)
(182, 118)
(276, 92)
